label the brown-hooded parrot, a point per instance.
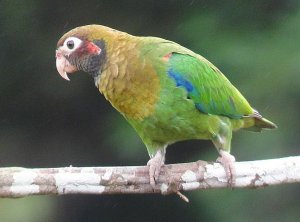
(165, 91)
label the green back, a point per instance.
(210, 90)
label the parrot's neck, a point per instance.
(127, 80)
(117, 52)
(116, 47)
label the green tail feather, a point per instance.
(264, 123)
(259, 124)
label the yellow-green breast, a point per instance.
(127, 81)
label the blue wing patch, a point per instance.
(212, 107)
(181, 81)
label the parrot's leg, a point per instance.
(222, 142)
(155, 164)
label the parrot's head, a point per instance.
(82, 48)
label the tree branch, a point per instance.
(20, 182)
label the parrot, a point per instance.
(165, 91)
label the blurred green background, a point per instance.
(48, 122)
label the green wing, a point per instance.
(207, 86)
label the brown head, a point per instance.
(83, 48)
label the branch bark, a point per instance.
(20, 182)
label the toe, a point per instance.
(152, 172)
(155, 164)
(227, 161)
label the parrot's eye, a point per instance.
(72, 43)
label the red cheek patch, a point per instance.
(91, 48)
(88, 48)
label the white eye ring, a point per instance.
(71, 44)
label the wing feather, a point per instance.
(211, 91)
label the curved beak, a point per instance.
(63, 66)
